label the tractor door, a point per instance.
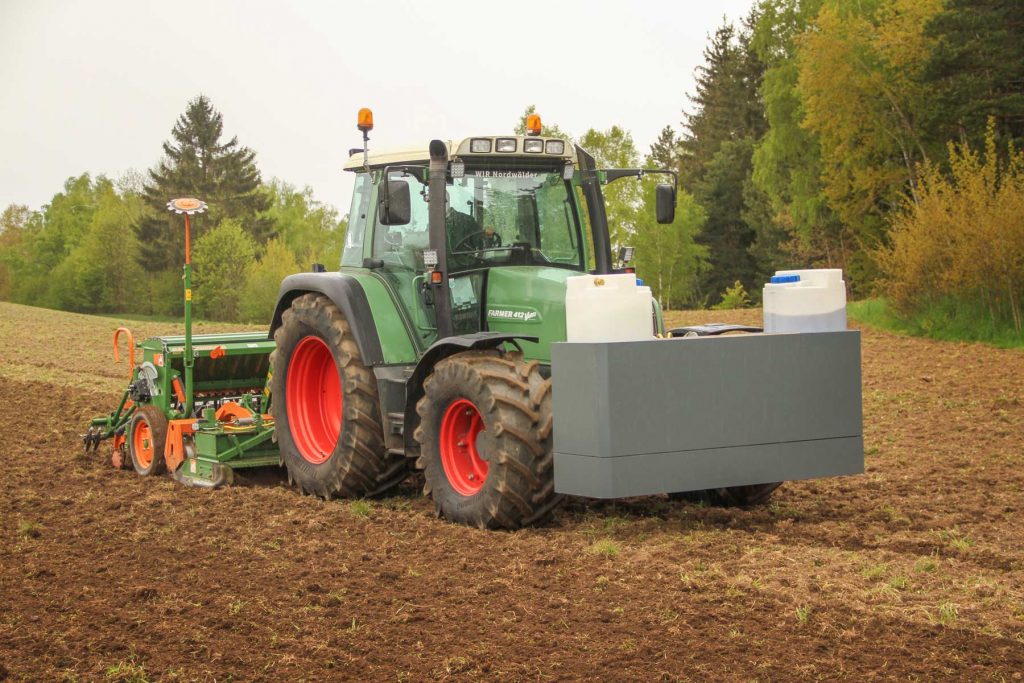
(398, 250)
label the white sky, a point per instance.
(96, 86)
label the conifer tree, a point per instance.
(198, 163)
(976, 70)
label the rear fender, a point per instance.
(440, 350)
(347, 294)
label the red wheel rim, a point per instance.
(462, 464)
(313, 400)
(142, 443)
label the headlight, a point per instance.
(556, 147)
(480, 146)
(533, 146)
(505, 145)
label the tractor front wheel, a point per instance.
(485, 440)
(147, 434)
(325, 406)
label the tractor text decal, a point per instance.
(528, 316)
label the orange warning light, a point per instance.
(533, 124)
(365, 123)
(435, 277)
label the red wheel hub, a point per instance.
(462, 464)
(313, 400)
(142, 443)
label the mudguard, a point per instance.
(441, 349)
(347, 294)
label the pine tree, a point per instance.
(717, 145)
(977, 69)
(665, 150)
(197, 163)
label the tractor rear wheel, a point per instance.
(485, 440)
(325, 406)
(147, 434)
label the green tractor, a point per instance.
(431, 346)
(431, 349)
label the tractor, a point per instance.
(431, 348)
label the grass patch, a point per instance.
(126, 671)
(947, 321)
(606, 547)
(803, 615)
(29, 529)
(360, 508)
(948, 613)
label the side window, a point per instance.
(353, 253)
(400, 244)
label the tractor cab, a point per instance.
(514, 225)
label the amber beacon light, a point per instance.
(365, 123)
(533, 124)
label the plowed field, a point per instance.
(914, 570)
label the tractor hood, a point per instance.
(544, 317)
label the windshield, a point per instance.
(511, 217)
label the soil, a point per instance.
(914, 570)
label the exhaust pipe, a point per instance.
(436, 215)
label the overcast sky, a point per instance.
(96, 86)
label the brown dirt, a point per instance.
(912, 571)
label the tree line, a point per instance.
(111, 246)
(882, 137)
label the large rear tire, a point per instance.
(325, 406)
(147, 435)
(485, 440)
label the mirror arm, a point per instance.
(613, 174)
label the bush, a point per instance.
(959, 245)
(262, 281)
(221, 259)
(734, 297)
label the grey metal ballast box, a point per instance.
(683, 414)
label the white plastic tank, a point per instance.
(805, 301)
(601, 308)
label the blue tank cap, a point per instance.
(639, 282)
(782, 279)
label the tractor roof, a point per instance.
(463, 150)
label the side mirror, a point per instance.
(665, 203)
(395, 204)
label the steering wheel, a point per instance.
(479, 233)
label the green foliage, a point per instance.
(311, 230)
(198, 163)
(221, 260)
(962, 240)
(948, 320)
(14, 223)
(726, 234)
(263, 280)
(788, 211)
(859, 82)
(614, 148)
(734, 297)
(101, 273)
(668, 257)
(976, 69)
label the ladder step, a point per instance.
(396, 423)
